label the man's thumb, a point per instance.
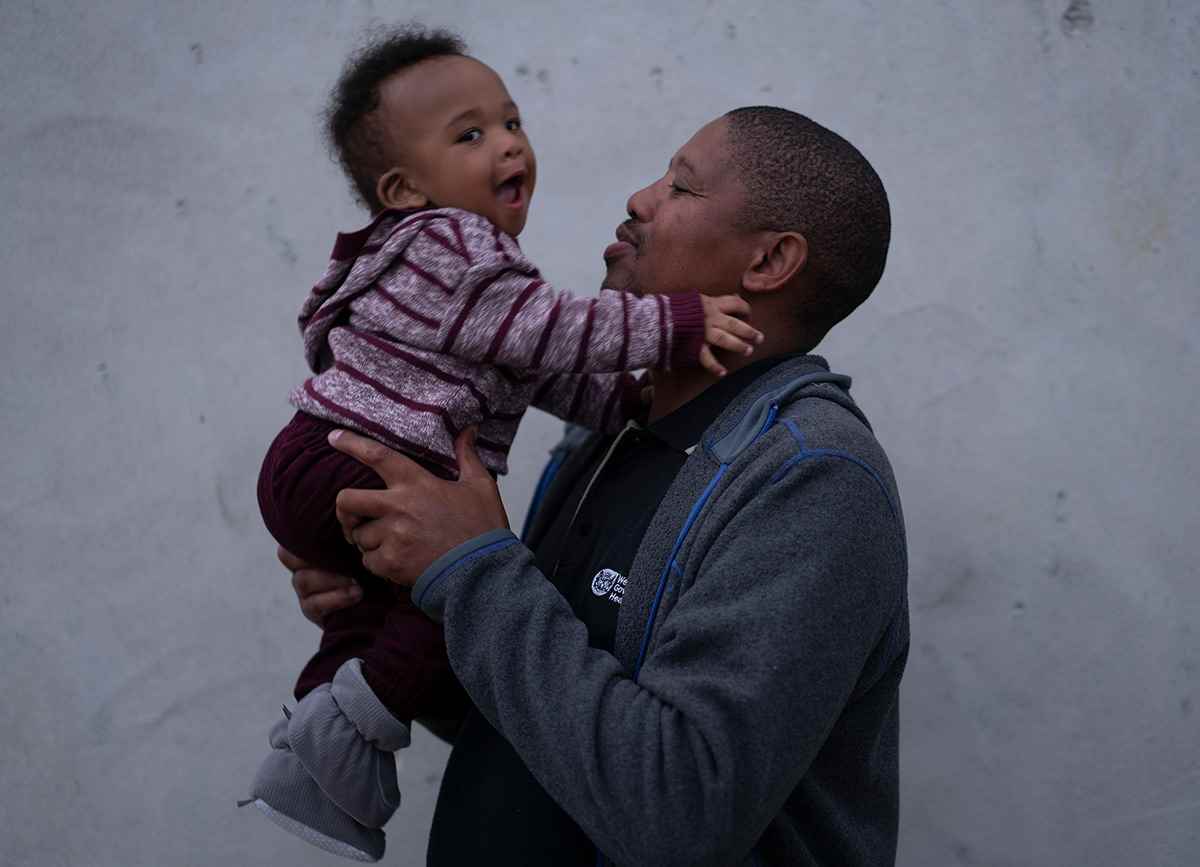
(469, 465)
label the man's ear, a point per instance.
(776, 262)
(395, 190)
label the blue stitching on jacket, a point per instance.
(474, 555)
(805, 453)
(662, 579)
(543, 485)
(714, 442)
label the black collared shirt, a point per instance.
(588, 549)
(490, 808)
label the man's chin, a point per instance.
(621, 276)
(620, 267)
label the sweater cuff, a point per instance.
(430, 591)
(687, 329)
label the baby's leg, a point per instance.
(297, 494)
(380, 662)
(408, 669)
(403, 651)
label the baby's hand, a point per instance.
(725, 328)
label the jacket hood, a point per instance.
(758, 407)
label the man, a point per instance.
(694, 657)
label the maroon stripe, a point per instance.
(354, 244)
(499, 246)
(662, 332)
(428, 230)
(466, 311)
(379, 431)
(412, 266)
(580, 387)
(407, 311)
(502, 333)
(395, 396)
(461, 240)
(330, 309)
(410, 221)
(408, 403)
(545, 338)
(587, 336)
(432, 369)
(420, 217)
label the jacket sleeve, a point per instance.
(746, 677)
(602, 402)
(464, 289)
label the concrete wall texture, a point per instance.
(1029, 361)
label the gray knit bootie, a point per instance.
(285, 793)
(345, 738)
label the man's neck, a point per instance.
(674, 388)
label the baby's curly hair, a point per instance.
(353, 134)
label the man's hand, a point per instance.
(419, 517)
(725, 328)
(320, 593)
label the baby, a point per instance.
(427, 321)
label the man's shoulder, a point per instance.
(827, 422)
(793, 423)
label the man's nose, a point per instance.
(640, 205)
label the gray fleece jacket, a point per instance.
(749, 714)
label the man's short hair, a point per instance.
(354, 134)
(801, 177)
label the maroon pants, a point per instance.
(403, 651)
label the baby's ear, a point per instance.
(395, 191)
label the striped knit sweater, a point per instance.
(426, 322)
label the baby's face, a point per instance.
(456, 135)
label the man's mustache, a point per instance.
(627, 233)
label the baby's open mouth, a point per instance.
(512, 191)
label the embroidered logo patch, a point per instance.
(610, 583)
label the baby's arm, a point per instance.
(603, 402)
(476, 297)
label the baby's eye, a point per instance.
(514, 124)
(472, 135)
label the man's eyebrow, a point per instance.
(682, 162)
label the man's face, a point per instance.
(681, 235)
(456, 134)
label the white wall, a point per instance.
(1029, 362)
